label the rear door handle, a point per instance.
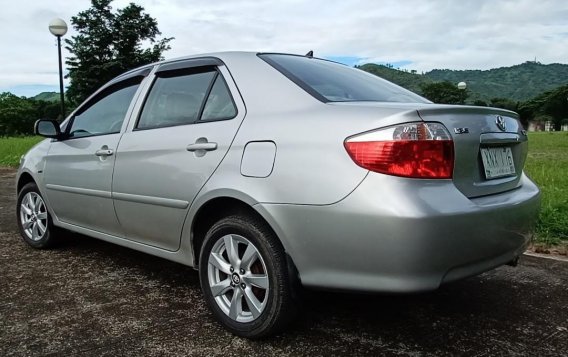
(202, 146)
(104, 152)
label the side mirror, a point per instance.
(47, 128)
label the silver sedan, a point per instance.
(272, 172)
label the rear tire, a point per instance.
(244, 277)
(34, 221)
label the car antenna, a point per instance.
(310, 54)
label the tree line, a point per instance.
(550, 106)
(18, 114)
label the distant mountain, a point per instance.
(408, 80)
(47, 96)
(519, 83)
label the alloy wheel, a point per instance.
(33, 216)
(238, 278)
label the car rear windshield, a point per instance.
(333, 82)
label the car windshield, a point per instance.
(333, 82)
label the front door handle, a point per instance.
(202, 146)
(104, 152)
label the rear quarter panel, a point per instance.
(311, 164)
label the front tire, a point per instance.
(244, 277)
(34, 221)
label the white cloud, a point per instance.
(467, 34)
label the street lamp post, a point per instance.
(58, 28)
(462, 86)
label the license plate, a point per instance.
(497, 162)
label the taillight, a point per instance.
(417, 150)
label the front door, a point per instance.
(184, 129)
(79, 168)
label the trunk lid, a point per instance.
(486, 140)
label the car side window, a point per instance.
(219, 104)
(186, 96)
(106, 112)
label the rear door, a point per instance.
(183, 130)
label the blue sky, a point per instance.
(353, 61)
(411, 34)
(30, 90)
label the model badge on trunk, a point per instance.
(461, 130)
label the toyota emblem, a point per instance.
(500, 121)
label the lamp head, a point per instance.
(57, 27)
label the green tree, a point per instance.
(17, 115)
(552, 105)
(504, 103)
(556, 105)
(109, 43)
(47, 110)
(526, 113)
(444, 92)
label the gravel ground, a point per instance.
(93, 298)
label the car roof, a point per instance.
(223, 56)
(220, 55)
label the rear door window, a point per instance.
(219, 104)
(186, 96)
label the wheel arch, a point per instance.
(23, 180)
(215, 209)
(212, 211)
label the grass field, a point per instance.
(547, 164)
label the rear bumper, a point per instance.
(402, 235)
